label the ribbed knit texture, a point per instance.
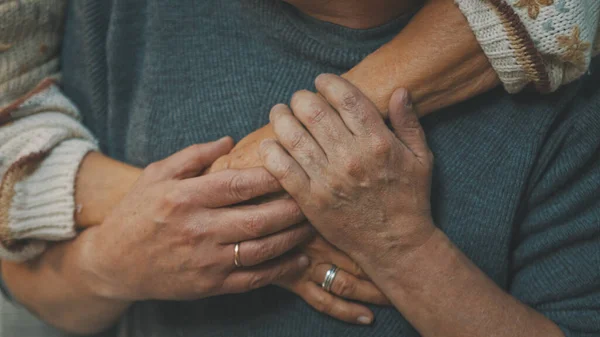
(490, 32)
(41, 140)
(31, 31)
(545, 42)
(41, 149)
(515, 183)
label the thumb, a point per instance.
(406, 125)
(192, 160)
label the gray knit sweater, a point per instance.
(515, 184)
(539, 42)
(535, 196)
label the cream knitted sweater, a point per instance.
(543, 42)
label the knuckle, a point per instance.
(284, 170)
(317, 113)
(174, 199)
(412, 122)
(255, 224)
(344, 287)
(295, 211)
(414, 134)
(265, 252)
(381, 146)
(350, 100)
(236, 186)
(353, 167)
(357, 271)
(323, 304)
(335, 186)
(297, 140)
(154, 168)
(257, 281)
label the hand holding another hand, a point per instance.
(365, 188)
(351, 284)
(173, 235)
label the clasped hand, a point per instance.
(173, 235)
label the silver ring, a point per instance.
(329, 278)
(236, 256)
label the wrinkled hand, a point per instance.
(173, 235)
(350, 283)
(364, 188)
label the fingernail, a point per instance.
(303, 261)
(364, 320)
(222, 139)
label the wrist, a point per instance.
(411, 270)
(96, 277)
(96, 193)
(403, 240)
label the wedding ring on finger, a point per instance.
(236, 255)
(329, 278)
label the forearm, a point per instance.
(436, 57)
(55, 287)
(442, 293)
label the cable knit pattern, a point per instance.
(545, 42)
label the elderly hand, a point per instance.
(365, 188)
(350, 283)
(173, 235)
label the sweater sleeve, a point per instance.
(546, 43)
(41, 140)
(556, 260)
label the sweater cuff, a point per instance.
(43, 206)
(491, 34)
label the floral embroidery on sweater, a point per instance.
(533, 6)
(575, 49)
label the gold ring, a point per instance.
(236, 255)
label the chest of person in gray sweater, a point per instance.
(515, 184)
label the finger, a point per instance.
(230, 187)
(333, 306)
(318, 246)
(406, 125)
(296, 140)
(350, 287)
(245, 279)
(357, 111)
(255, 252)
(192, 160)
(321, 120)
(249, 222)
(285, 169)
